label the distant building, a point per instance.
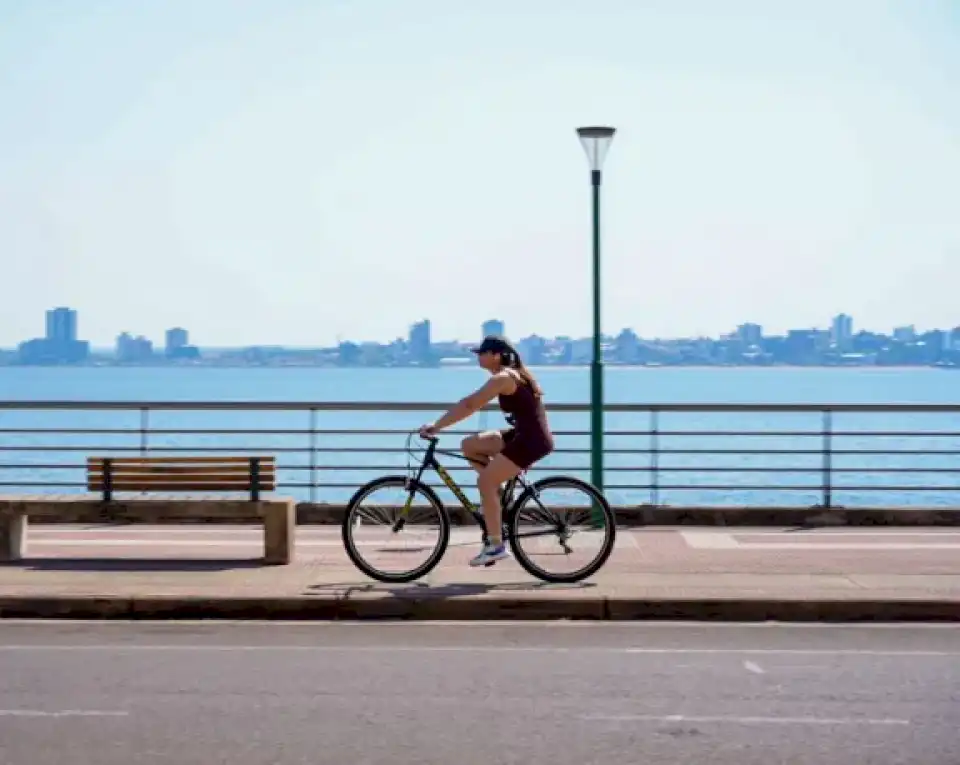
(750, 334)
(841, 331)
(953, 339)
(176, 338)
(532, 350)
(907, 334)
(420, 342)
(492, 327)
(59, 344)
(62, 325)
(348, 354)
(178, 346)
(627, 347)
(133, 349)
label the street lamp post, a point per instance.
(596, 141)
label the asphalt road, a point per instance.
(566, 694)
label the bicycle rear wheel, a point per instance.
(388, 545)
(561, 530)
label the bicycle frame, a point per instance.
(506, 495)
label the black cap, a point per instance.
(494, 344)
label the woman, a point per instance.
(500, 455)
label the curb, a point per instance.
(506, 609)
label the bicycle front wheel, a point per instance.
(388, 544)
(561, 530)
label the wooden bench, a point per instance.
(109, 476)
(251, 475)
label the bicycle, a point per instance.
(398, 517)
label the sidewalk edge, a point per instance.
(601, 608)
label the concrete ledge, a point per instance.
(277, 516)
(600, 608)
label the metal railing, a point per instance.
(666, 454)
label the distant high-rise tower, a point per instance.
(841, 331)
(750, 334)
(492, 327)
(62, 325)
(420, 340)
(177, 338)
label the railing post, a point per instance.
(107, 479)
(655, 457)
(313, 455)
(827, 446)
(144, 431)
(254, 479)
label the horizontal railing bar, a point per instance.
(621, 487)
(551, 468)
(133, 431)
(424, 406)
(617, 487)
(159, 450)
(685, 487)
(305, 433)
(776, 488)
(802, 433)
(398, 450)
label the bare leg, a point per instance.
(499, 469)
(481, 447)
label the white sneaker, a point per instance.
(490, 554)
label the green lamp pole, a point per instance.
(596, 141)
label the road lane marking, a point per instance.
(752, 666)
(716, 540)
(739, 720)
(710, 540)
(61, 713)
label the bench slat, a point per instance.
(181, 474)
(214, 460)
(147, 478)
(167, 486)
(237, 470)
(174, 479)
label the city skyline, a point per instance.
(748, 343)
(293, 172)
(62, 323)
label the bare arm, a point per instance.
(497, 384)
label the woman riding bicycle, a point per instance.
(500, 455)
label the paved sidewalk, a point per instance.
(752, 574)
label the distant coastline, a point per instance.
(109, 364)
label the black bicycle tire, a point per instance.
(357, 559)
(527, 565)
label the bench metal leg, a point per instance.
(13, 537)
(279, 530)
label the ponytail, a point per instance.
(526, 375)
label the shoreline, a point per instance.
(607, 367)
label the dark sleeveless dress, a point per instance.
(530, 439)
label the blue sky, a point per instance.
(293, 171)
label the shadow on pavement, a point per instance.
(420, 590)
(132, 564)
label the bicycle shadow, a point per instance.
(429, 591)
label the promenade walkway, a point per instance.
(170, 571)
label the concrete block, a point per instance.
(13, 536)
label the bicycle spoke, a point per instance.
(554, 534)
(386, 550)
